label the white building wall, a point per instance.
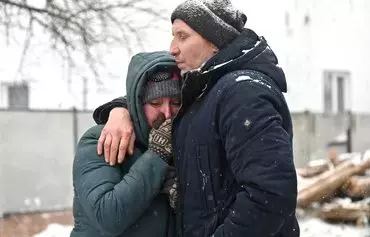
(336, 37)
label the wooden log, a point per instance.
(304, 182)
(317, 167)
(357, 187)
(326, 184)
(354, 212)
(312, 170)
(340, 158)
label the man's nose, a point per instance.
(174, 50)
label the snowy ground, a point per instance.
(55, 230)
(310, 227)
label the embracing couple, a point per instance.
(200, 146)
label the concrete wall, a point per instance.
(312, 133)
(37, 149)
(36, 159)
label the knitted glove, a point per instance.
(160, 141)
(171, 187)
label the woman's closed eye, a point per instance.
(176, 102)
(155, 103)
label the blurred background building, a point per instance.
(322, 45)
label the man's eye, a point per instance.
(182, 36)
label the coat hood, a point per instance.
(248, 51)
(141, 66)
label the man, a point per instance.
(232, 136)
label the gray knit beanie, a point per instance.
(161, 84)
(215, 20)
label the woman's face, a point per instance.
(166, 105)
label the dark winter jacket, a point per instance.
(237, 176)
(233, 146)
(123, 200)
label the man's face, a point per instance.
(189, 48)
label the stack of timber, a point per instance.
(338, 188)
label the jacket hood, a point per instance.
(248, 51)
(141, 66)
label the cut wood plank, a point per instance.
(355, 212)
(327, 183)
(357, 187)
(312, 170)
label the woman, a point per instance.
(125, 200)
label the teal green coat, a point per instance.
(123, 200)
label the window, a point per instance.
(336, 91)
(16, 95)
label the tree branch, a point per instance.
(79, 27)
(27, 7)
(26, 46)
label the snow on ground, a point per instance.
(310, 227)
(55, 230)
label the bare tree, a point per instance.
(79, 25)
